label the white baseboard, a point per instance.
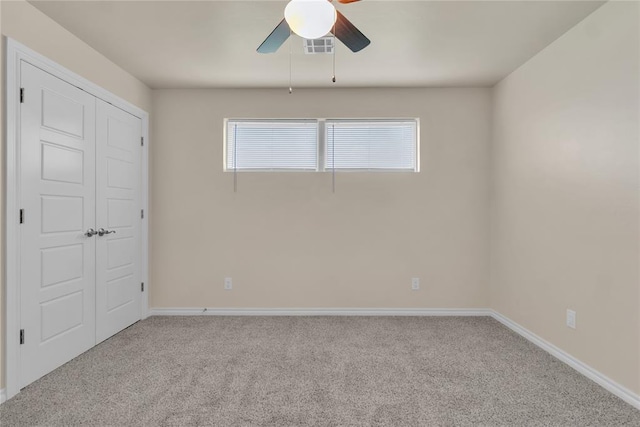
(607, 383)
(3, 396)
(318, 312)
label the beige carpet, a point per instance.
(321, 371)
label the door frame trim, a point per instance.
(16, 52)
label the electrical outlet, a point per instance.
(228, 284)
(415, 284)
(571, 319)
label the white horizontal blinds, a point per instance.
(272, 145)
(371, 144)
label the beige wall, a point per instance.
(287, 241)
(24, 23)
(565, 193)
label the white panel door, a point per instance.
(57, 191)
(118, 204)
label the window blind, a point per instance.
(272, 145)
(371, 144)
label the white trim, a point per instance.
(12, 240)
(3, 396)
(17, 52)
(319, 312)
(144, 312)
(607, 383)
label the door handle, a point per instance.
(90, 232)
(102, 232)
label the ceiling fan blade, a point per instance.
(347, 1)
(348, 34)
(277, 37)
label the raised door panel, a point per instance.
(62, 164)
(61, 264)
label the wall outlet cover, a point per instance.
(228, 284)
(415, 284)
(571, 319)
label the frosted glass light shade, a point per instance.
(310, 19)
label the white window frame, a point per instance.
(225, 166)
(322, 144)
(325, 143)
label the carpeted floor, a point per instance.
(321, 371)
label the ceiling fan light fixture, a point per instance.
(310, 19)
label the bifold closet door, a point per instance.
(57, 197)
(118, 209)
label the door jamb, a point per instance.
(17, 52)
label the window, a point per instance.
(322, 145)
(371, 145)
(272, 145)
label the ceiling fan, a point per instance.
(313, 19)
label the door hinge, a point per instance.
(142, 287)
(141, 213)
(21, 216)
(142, 141)
(21, 95)
(21, 336)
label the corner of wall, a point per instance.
(564, 193)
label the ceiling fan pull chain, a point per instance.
(290, 61)
(334, 52)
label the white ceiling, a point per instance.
(206, 44)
